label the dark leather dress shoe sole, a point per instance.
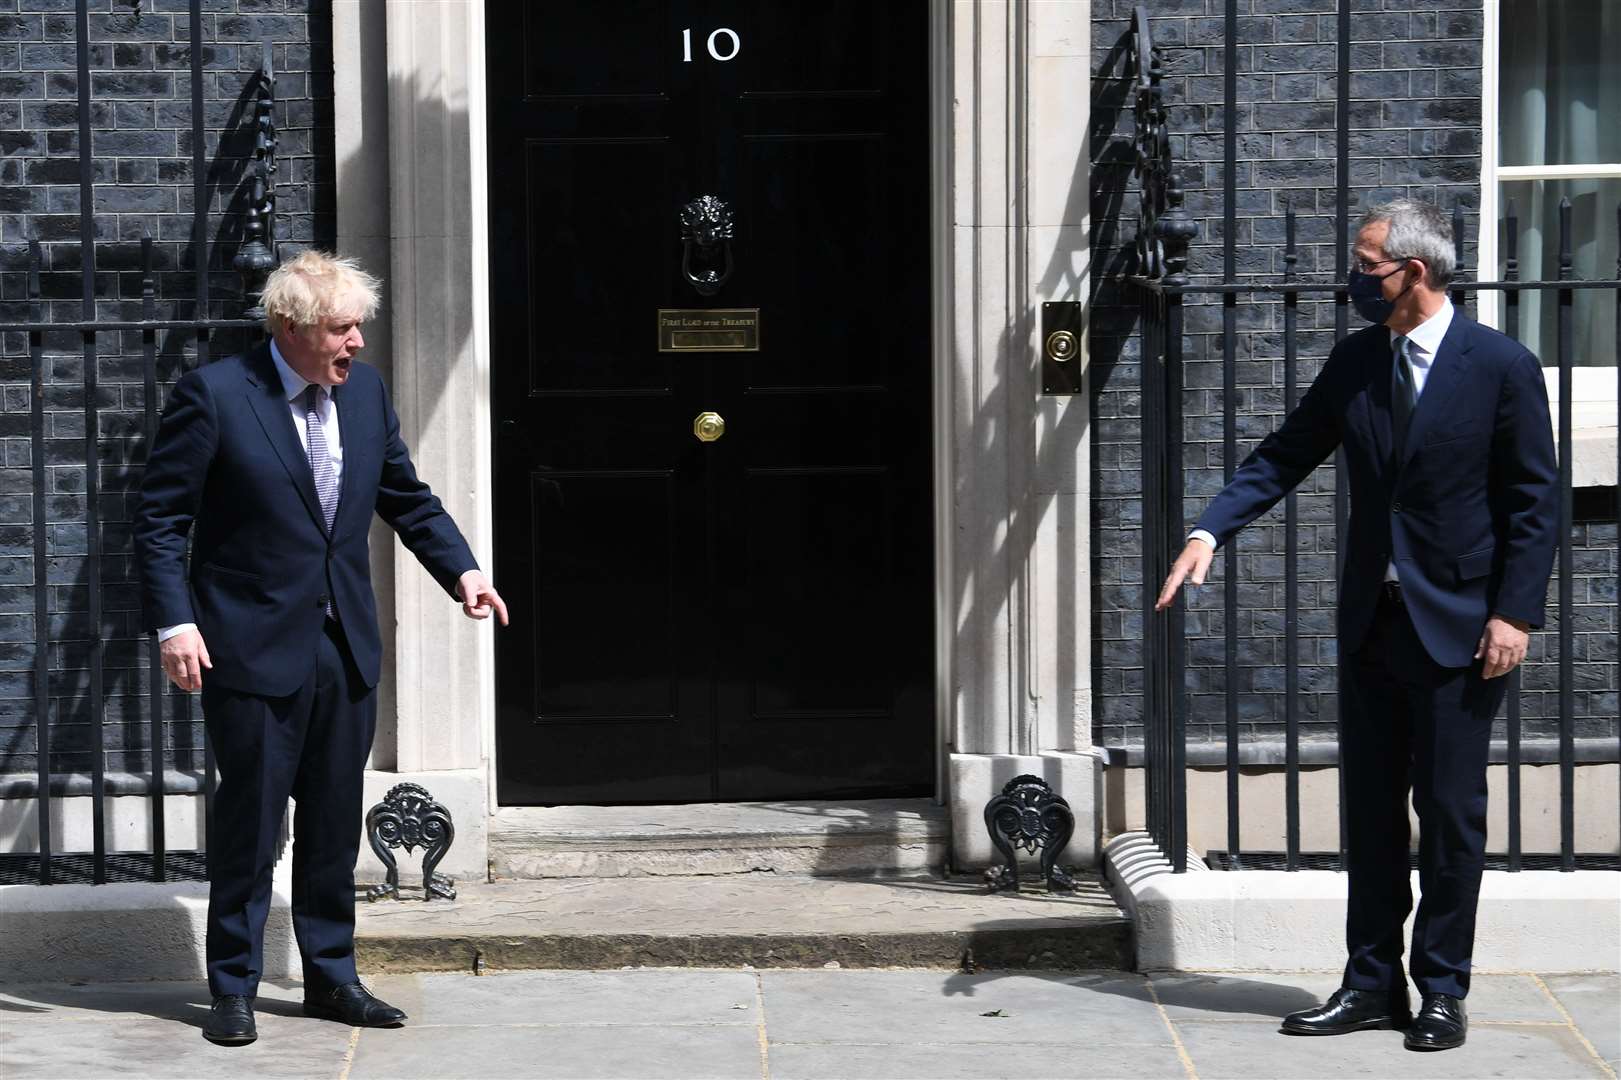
(354, 1005)
(230, 1022)
(321, 1012)
(1348, 1010)
(230, 1039)
(1442, 1024)
(1423, 1043)
(1383, 1023)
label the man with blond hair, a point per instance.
(273, 462)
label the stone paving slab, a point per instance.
(792, 1024)
(952, 1061)
(152, 1030)
(1265, 996)
(1244, 1051)
(596, 1052)
(900, 1007)
(662, 996)
(1593, 1004)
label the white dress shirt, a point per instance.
(293, 387)
(1423, 343)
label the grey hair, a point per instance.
(1418, 230)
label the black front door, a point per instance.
(747, 617)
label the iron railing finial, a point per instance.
(258, 254)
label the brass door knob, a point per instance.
(709, 426)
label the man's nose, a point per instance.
(357, 342)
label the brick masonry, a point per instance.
(141, 148)
(1415, 130)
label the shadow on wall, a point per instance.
(1041, 440)
(124, 721)
(1113, 314)
(123, 449)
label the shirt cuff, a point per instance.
(167, 632)
(1201, 534)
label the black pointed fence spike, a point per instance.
(1565, 260)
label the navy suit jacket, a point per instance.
(1469, 514)
(228, 458)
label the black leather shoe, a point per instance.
(353, 1004)
(1442, 1024)
(230, 1021)
(1348, 1010)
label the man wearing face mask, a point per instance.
(1450, 460)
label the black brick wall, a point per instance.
(1415, 130)
(141, 145)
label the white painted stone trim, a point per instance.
(1016, 463)
(1011, 467)
(113, 933)
(1593, 421)
(1259, 920)
(440, 378)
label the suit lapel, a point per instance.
(1446, 375)
(351, 431)
(270, 406)
(1378, 400)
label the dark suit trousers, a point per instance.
(311, 745)
(1414, 725)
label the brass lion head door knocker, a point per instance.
(706, 243)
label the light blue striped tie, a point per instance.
(326, 480)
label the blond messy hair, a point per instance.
(313, 286)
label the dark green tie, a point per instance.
(1401, 397)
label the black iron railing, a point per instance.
(1163, 287)
(197, 332)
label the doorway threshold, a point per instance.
(853, 837)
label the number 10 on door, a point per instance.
(714, 52)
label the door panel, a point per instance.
(751, 617)
(828, 616)
(595, 49)
(603, 544)
(813, 196)
(580, 225)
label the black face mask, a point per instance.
(1367, 297)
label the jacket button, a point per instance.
(320, 602)
(1396, 507)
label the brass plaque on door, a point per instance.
(709, 329)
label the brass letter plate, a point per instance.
(709, 329)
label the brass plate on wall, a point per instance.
(1062, 331)
(709, 329)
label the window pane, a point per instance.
(1593, 253)
(1561, 82)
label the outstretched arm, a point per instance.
(1285, 458)
(415, 513)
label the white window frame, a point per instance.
(1593, 389)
